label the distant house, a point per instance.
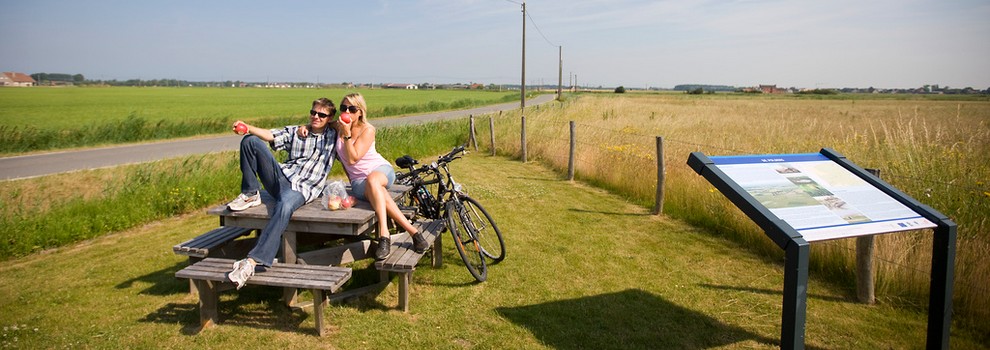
(770, 89)
(400, 86)
(16, 79)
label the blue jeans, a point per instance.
(258, 162)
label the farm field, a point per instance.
(936, 150)
(54, 118)
(74, 106)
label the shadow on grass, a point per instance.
(608, 212)
(253, 306)
(775, 292)
(162, 282)
(631, 319)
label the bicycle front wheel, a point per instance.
(484, 228)
(459, 224)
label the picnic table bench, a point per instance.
(210, 276)
(210, 254)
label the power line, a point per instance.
(531, 20)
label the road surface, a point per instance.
(20, 167)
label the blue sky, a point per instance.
(634, 43)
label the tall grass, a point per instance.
(52, 211)
(936, 151)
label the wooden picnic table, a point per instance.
(357, 223)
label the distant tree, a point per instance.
(697, 91)
(78, 78)
(620, 90)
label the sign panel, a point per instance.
(818, 197)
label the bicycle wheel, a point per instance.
(467, 245)
(485, 230)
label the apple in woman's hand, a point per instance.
(345, 117)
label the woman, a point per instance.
(370, 174)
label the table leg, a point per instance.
(288, 254)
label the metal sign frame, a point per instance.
(797, 250)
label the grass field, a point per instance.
(52, 118)
(933, 149)
(591, 270)
(937, 151)
(63, 108)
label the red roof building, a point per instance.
(16, 79)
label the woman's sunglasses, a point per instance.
(313, 112)
(351, 109)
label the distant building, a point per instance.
(16, 79)
(770, 89)
(400, 86)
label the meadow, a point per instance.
(39, 119)
(593, 271)
(936, 150)
(933, 149)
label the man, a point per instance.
(297, 181)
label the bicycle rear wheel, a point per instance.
(459, 224)
(485, 230)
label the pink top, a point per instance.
(360, 170)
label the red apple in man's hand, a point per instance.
(241, 128)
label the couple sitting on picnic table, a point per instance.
(301, 178)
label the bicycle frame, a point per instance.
(433, 205)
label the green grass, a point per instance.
(584, 269)
(53, 118)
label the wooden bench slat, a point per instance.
(403, 257)
(200, 246)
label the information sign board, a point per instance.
(818, 197)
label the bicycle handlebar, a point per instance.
(447, 158)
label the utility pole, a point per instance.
(560, 70)
(522, 100)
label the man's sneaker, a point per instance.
(244, 201)
(384, 247)
(419, 243)
(243, 270)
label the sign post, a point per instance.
(798, 199)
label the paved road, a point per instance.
(20, 167)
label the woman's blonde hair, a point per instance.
(355, 99)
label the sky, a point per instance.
(631, 43)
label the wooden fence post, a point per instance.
(491, 129)
(661, 178)
(570, 157)
(864, 264)
(523, 139)
(474, 139)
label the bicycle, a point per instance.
(435, 195)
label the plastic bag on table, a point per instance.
(335, 196)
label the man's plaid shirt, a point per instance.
(309, 159)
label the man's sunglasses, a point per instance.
(351, 109)
(313, 112)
